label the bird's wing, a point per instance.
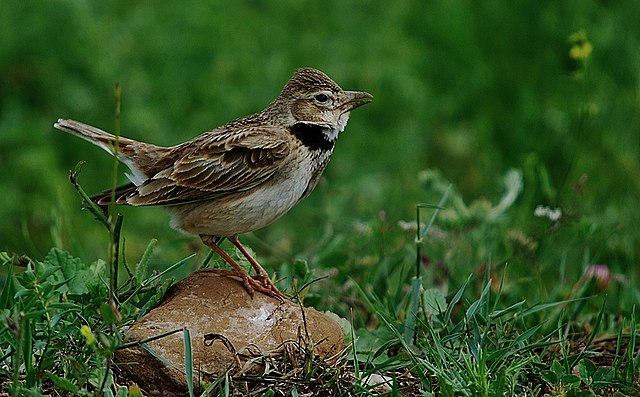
(216, 163)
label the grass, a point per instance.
(63, 319)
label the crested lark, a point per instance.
(241, 176)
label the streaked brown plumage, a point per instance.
(241, 176)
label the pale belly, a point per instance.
(242, 212)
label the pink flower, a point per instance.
(601, 274)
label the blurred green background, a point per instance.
(470, 88)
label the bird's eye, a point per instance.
(322, 98)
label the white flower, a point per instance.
(554, 214)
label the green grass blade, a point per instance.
(157, 356)
(141, 342)
(633, 362)
(27, 346)
(123, 392)
(456, 298)
(167, 270)
(226, 391)
(207, 259)
(188, 360)
(88, 203)
(503, 312)
(425, 229)
(412, 315)
(592, 335)
(141, 269)
(63, 383)
(471, 312)
(6, 297)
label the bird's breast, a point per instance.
(245, 211)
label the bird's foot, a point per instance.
(266, 286)
(261, 282)
(251, 284)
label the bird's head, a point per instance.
(311, 97)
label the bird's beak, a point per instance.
(356, 99)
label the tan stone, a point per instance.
(211, 304)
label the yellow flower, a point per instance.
(90, 339)
(134, 391)
(581, 47)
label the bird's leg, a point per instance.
(251, 284)
(261, 275)
(239, 271)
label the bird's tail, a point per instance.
(127, 150)
(105, 140)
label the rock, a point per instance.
(229, 331)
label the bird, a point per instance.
(241, 176)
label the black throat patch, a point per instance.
(311, 136)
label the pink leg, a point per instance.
(261, 275)
(260, 282)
